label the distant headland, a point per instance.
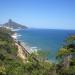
(13, 25)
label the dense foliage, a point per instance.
(66, 55)
(37, 63)
(10, 64)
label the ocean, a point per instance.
(44, 39)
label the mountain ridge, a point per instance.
(13, 25)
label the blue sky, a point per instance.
(52, 14)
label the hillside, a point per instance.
(10, 63)
(13, 25)
(14, 62)
(11, 60)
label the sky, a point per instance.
(51, 14)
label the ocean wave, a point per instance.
(14, 36)
(16, 29)
(28, 48)
(19, 35)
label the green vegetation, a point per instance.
(37, 63)
(10, 64)
(66, 55)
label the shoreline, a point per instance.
(23, 44)
(22, 51)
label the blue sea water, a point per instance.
(45, 39)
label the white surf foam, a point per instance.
(28, 48)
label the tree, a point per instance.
(66, 55)
(43, 54)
